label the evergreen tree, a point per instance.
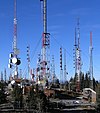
(2, 93)
(82, 81)
(32, 99)
(41, 101)
(87, 81)
(94, 84)
(37, 100)
(72, 83)
(17, 96)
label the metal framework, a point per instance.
(28, 60)
(77, 57)
(65, 70)
(91, 61)
(53, 69)
(61, 69)
(14, 60)
(44, 69)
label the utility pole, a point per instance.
(91, 61)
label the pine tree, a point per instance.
(17, 96)
(82, 81)
(2, 93)
(87, 81)
(37, 100)
(32, 99)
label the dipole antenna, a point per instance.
(91, 61)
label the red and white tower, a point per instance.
(45, 63)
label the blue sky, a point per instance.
(62, 19)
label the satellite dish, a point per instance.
(14, 60)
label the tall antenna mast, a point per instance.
(45, 16)
(45, 63)
(15, 40)
(46, 38)
(28, 60)
(61, 70)
(14, 60)
(38, 70)
(53, 69)
(65, 71)
(75, 53)
(91, 61)
(78, 57)
(15, 29)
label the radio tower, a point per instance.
(45, 63)
(28, 60)
(77, 60)
(53, 69)
(65, 71)
(61, 70)
(75, 53)
(14, 61)
(91, 61)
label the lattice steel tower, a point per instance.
(91, 61)
(77, 57)
(14, 61)
(28, 61)
(45, 63)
